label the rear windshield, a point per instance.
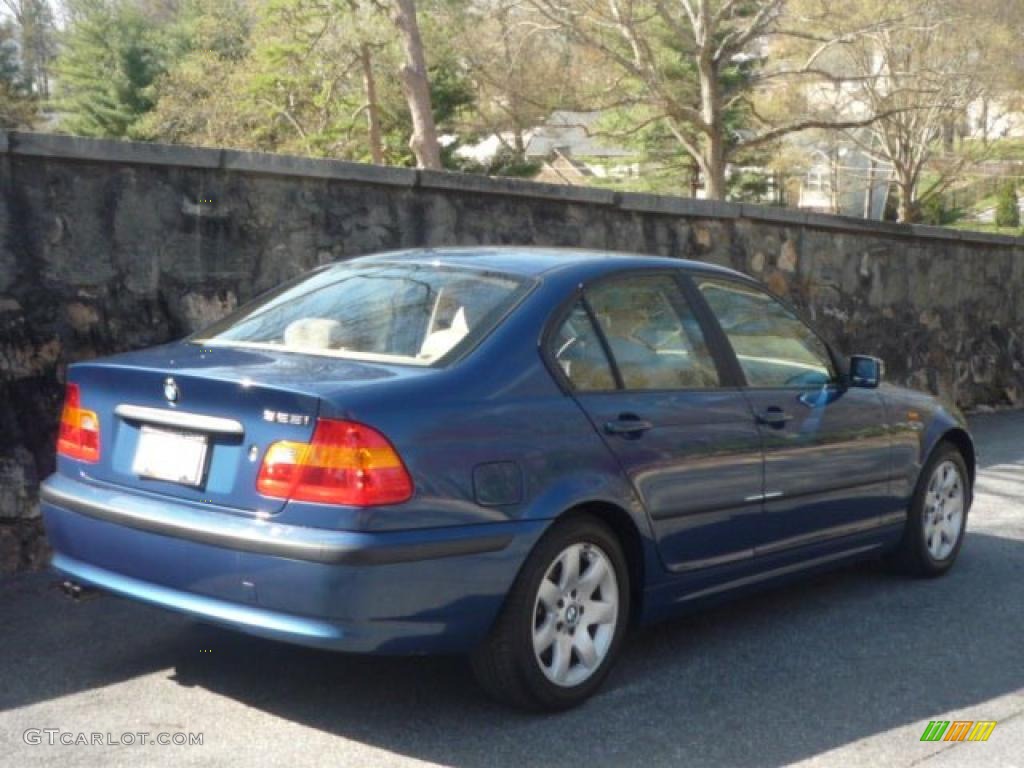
(400, 313)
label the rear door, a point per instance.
(639, 364)
(827, 452)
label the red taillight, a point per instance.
(79, 436)
(346, 463)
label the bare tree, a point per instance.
(918, 70)
(697, 65)
(416, 86)
(372, 104)
(520, 71)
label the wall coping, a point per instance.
(79, 148)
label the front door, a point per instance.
(827, 449)
(663, 404)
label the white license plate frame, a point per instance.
(171, 456)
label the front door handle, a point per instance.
(773, 417)
(627, 424)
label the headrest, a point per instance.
(313, 333)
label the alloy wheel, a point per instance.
(576, 612)
(943, 510)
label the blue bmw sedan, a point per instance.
(513, 453)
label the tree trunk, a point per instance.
(514, 106)
(372, 107)
(713, 144)
(714, 178)
(908, 210)
(869, 193)
(416, 87)
(519, 143)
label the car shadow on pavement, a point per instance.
(764, 681)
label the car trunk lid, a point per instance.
(194, 423)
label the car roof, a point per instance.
(534, 261)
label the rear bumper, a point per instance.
(432, 590)
(246, 534)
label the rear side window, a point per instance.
(578, 352)
(654, 337)
(403, 313)
(774, 347)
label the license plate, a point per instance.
(175, 457)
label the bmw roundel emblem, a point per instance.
(170, 390)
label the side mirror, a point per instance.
(865, 371)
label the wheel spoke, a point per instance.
(549, 595)
(570, 568)
(598, 612)
(953, 528)
(561, 658)
(592, 577)
(948, 479)
(544, 635)
(584, 645)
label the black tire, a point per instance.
(505, 664)
(912, 555)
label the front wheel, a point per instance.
(938, 515)
(563, 621)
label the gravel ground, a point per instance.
(846, 669)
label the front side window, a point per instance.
(403, 313)
(654, 338)
(578, 352)
(774, 347)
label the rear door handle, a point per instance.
(773, 417)
(627, 425)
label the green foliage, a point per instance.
(1007, 207)
(219, 28)
(452, 94)
(290, 76)
(638, 128)
(198, 100)
(111, 56)
(935, 210)
(749, 187)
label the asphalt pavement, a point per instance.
(846, 669)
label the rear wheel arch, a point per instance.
(619, 521)
(508, 664)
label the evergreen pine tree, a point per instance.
(110, 59)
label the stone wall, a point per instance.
(105, 246)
